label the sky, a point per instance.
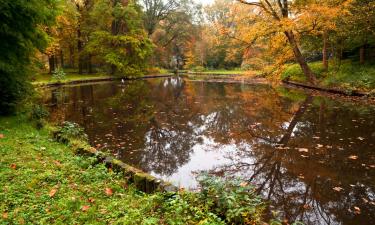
(204, 2)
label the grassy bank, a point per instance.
(41, 79)
(43, 181)
(348, 76)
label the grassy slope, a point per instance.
(32, 165)
(348, 76)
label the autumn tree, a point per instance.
(278, 13)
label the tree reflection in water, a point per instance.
(294, 148)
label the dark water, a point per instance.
(313, 158)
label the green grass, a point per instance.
(44, 182)
(220, 72)
(348, 76)
(70, 76)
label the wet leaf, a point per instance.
(360, 138)
(338, 189)
(319, 145)
(357, 210)
(303, 150)
(108, 191)
(52, 192)
(85, 208)
(353, 157)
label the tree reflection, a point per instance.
(294, 148)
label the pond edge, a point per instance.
(143, 181)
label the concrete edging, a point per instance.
(142, 180)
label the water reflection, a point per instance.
(313, 158)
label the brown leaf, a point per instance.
(5, 215)
(13, 166)
(85, 208)
(57, 163)
(108, 191)
(1, 136)
(338, 189)
(357, 210)
(353, 157)
(52, 192)
(303, 150)
(91, 200)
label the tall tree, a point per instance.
(118, 38)
(21, 33)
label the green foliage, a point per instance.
(59, 74)
(349, 76)
(70, 130)
(198, 69)
(38, 114)
(118, 37)
(232, 199)
(21, 33)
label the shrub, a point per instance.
(70, 130)
(59, 74)
(38, 114)
(232, 199)
(198, 69)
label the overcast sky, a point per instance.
(204, 2)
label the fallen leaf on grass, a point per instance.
(52, 192)
(338, 189)
(91, 200)
(108, 191)
(13, 166)
(5, 215)
(1, 136)
(57, 163)
(85, 208)
(353, 157)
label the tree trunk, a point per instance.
(61, 58)
(362, 55)
(299, 58)
(71, 56)
(51, 62)
(79, 48)
(89, 65)
(325, 51)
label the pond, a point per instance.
(312, 158)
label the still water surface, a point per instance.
(313, 158)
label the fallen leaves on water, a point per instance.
(353, 157)
(13, 166)
(108, 191)
(360, 138)
(357, 210)
(303, 150)
(304, 156)
(52, 192)
(1, 136)
(338, 189)
(319, 145)
(85, 208)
